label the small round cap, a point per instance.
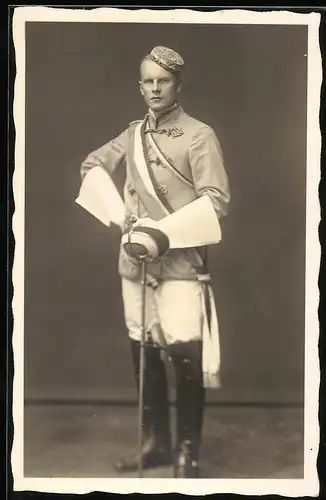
(167, 59)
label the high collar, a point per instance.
(165, 117)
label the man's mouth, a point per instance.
(156, 98)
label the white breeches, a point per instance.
(173, 309)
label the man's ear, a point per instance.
(179, 87)
(141, 88)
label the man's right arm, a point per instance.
(109, 156)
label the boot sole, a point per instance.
(154, 464)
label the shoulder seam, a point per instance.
(204, 128)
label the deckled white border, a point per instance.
(309, 486)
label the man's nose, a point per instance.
(156, 87)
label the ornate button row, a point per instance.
(161, 187)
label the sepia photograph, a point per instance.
(167, 166)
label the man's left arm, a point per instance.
(208, 172)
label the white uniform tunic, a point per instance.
(192, 148)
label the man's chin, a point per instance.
(158, 106)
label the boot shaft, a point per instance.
(190, 401)
(156, 411)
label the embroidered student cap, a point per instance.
(167, 59)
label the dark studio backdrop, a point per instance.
(249, 83)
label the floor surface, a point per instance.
(239, 442)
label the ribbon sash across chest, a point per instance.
(143, 179)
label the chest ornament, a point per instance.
(173, 132)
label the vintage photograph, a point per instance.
(167, 166)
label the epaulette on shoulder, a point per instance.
(135, 121)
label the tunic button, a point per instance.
(159, 162)
(163, 189)
(131, 189)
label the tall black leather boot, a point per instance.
(156, 449)
(190, 393)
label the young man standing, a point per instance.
(183, 161)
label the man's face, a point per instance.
(158, 86)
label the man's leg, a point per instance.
(186, 358)
(157, 439)
(181, 316)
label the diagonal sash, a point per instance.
(166, 163)
(143, 181)
(151, 175)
